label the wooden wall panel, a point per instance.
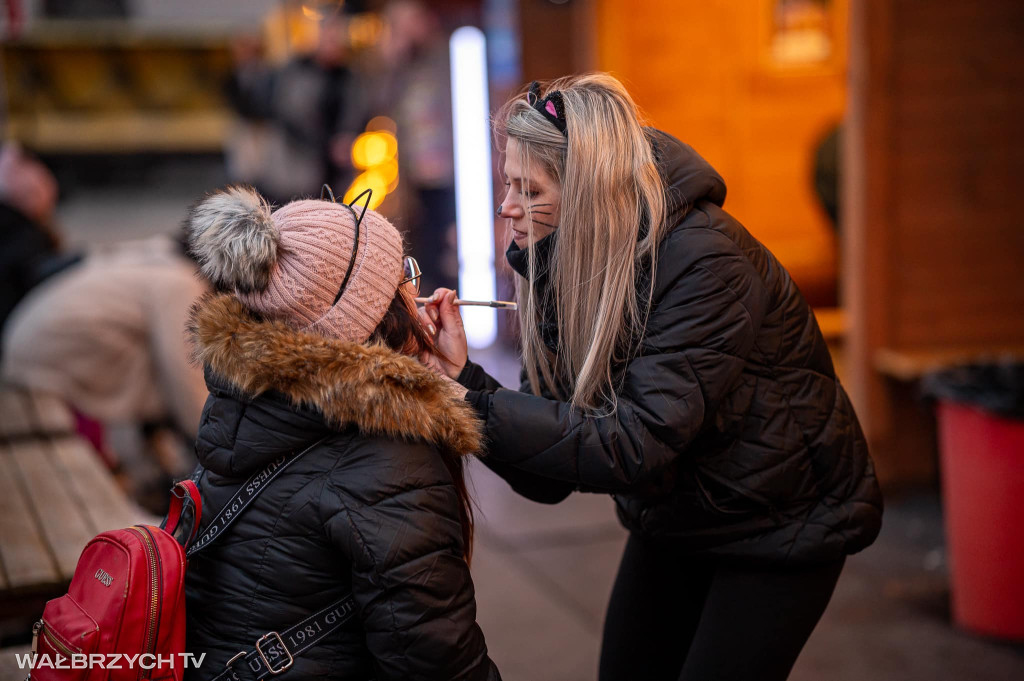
(695, 67)
(557, 39)
(933, 248)
(935, 159)
(958, 155)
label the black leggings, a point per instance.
(676, 617)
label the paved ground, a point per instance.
(543, 574)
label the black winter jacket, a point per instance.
(733, 436)
(371, 510)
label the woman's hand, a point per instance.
(441, 319)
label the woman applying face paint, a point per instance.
(670, 361)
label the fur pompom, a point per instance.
(232, 236)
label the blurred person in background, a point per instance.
(248, 92)
(28, 199)
(417, 94)
(669, 360)
(106, 335)
(827, 173)
(298, 120)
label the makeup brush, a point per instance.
(501, 304)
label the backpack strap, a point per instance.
(275, 652)
(183, 493)
(244, 496)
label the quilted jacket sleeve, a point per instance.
(709, 305)
(530, 485)
(393, 510)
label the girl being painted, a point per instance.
(309, 349)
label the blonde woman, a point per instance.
(669, 360)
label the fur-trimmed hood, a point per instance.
(378, 390)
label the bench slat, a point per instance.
(57, 504)
(911, 364)
(52, 415)
(108, 507)
(15, 414)
(26, 560)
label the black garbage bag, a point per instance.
(995, 387)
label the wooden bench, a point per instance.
(910, 365)
(25, 413)
(55, 495)
(906, 446)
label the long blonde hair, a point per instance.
(610, 186)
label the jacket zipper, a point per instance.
(154, 595)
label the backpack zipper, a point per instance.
(154, 594)
(54, 643)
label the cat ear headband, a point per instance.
(326, 191)
(551, 107)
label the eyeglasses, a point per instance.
(412, 274)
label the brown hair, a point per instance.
(400, 330)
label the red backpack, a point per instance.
(124, 614)
(123, 617)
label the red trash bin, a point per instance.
(982, 458)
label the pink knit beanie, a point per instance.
(289, 263)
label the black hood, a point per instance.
(688, 177)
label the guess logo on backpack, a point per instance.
(103, 577)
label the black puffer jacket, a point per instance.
(732, 435)
(371, 510)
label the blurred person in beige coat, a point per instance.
(107, 335)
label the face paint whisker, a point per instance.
(540, 212)
(546, 224)
(538, 205)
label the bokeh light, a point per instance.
(371, 179)
(382, 123)
(373, 148)
(375, 152)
